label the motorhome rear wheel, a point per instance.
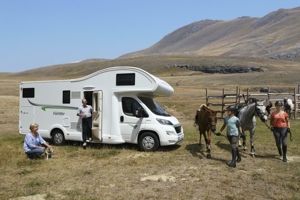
(58, 138)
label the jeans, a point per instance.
(233, 140)
(86, 128)
(280, 136)
(34, 153)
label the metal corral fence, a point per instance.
(225, 99)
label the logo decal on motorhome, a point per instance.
(44, 106)
(58, 113)
(135, 126)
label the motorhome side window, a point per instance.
(125, 79)
(66, 97)
(28, 93)
(130, 105)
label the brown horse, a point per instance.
(206, 119)
(268, 105)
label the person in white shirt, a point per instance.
(85, 113)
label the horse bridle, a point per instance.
(259, 113)
(211, 123)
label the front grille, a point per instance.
(177, 128)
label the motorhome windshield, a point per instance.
(153, 106)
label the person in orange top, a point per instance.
(280, 125)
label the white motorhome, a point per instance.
(123, 108)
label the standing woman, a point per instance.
(34, 144)
(233, 130)
(280, 125)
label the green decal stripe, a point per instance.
(57, 107)
(44, 106)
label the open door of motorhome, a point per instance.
(97, 116)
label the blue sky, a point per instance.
(38, 33)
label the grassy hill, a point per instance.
(157, 65)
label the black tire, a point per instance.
(148, 142)
(58, 138)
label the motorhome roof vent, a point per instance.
(88, 87)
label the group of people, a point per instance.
(34, 145)
(279, 125)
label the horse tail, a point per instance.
(196, 116)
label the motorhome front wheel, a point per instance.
(148, 142)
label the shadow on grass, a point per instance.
(243, 153)
(127, 146)
(224, 146)
(274, 157)
(227, 147)
(200, 151)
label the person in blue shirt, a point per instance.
(233, 130)
(34, 144)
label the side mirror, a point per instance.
(139, 112)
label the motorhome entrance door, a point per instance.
(97, 116)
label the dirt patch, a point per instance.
(140, 155)
(32, 197)
(40, 197)
(162, 177)
(293, 158)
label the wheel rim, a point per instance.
(58, 138)
(148, 142)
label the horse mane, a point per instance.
(202, 106)
(205, 107)
(238, 108)
(244, 109)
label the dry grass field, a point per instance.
(177, 172)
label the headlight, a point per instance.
(164, 122)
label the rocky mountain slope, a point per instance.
(274, 36)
